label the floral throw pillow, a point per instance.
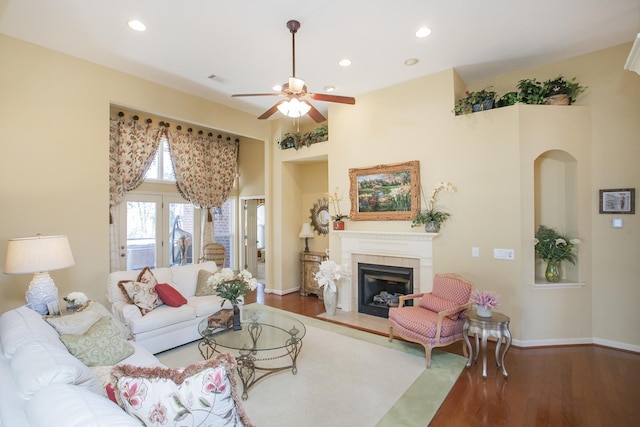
(143, 295)
(200, 394)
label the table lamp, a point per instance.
(39, 255)
(306, 233)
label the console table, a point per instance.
(309, 265)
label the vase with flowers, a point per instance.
(327, 276)
(335, 199)
(432, 217)
(75, 301)
(553, 248)
(484, 302)
(232, 287)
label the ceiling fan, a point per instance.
(295, 92)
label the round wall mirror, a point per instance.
(320, 217)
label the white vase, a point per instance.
(483, 311)
(330, 300)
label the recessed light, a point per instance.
(277, 88)
(344, 62)
(411, 61)
(329, 88)
(423, 32)
(134, 24)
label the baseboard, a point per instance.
(280, 292)
(577, 341)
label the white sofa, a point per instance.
(166, 327)
(42, 384)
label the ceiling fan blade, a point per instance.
(314, 113)
(332, 98)
(256, 94)
(270, 111)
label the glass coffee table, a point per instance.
(265, 338)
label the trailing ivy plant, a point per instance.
(297, 140)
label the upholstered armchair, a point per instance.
(437, 320)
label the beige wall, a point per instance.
(53, 178)
(54, 117)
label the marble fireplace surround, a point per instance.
(399, 249)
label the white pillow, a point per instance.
(72, 406)
(77, 323)
(38, 364)
(23, 325)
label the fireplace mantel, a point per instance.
(387, 248)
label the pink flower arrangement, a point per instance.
(486, 299)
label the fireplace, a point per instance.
(380, 287)
(397, 249)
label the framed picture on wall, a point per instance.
(385, 192)
(618, 201)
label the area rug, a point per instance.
(346, 377)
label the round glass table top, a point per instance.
(261, 330)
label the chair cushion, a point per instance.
(208, 304)
(423, 322)
(434, 303)
(169, 295)
(452, 287)
(161, 317)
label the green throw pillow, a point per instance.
(101, 345)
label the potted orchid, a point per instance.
(335, 200)
(327, 276)
(432, 217)
(485, 301)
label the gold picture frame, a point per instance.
(385, 192)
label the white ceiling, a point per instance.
(246, 44)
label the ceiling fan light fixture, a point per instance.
(294, 108)
(296, 85)
(329, 88)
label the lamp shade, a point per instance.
(294, 108)
(38, 254)
(306, 231)
(633, 60)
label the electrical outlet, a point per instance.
(475, 252)
(504, 254)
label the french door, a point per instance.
(158, 231)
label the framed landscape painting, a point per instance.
(385, 192)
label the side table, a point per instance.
(309, 265)
(496, 326)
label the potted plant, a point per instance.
(232, 287)
(554, 248)
(531, 91)
(560, 91)
(327, 276)
(335, 199)
(297, 140)
(432, 217)
(484, 302)
(475, 101)
(509, 98)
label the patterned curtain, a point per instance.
(132, 147)
(205, 167)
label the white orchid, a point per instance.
(330, 273)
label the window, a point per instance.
(158, 230)
(224, 229)
(161, 169)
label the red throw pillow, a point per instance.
(110, 393)
(169, 295)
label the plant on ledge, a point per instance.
(565, 90)
(475, 101)
(554, 248)
(297, 141)
(432, 217)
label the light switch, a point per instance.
(616, 222)
(475, 252)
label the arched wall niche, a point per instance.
(556, 203)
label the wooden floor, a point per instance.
(550, 386)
